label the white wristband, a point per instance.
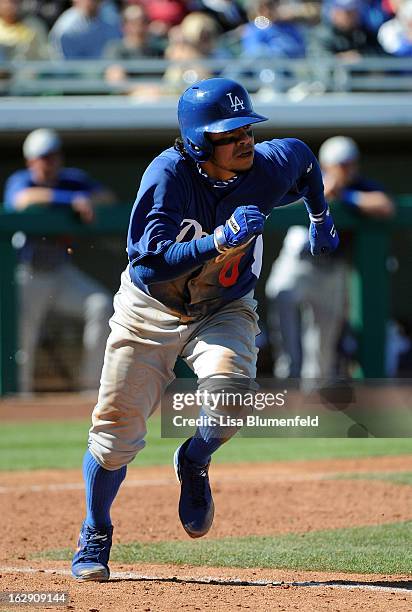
(219, 239)
(319, 217)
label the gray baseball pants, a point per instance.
(71, 292)
(144, 343)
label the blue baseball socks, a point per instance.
(101, 489)
(207, 439)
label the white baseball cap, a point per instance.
(338, 150)
(41, 142)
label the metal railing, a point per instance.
(311, 75)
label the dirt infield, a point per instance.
(43, 510)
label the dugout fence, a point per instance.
(369, 299)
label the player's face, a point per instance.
(344, 173)
(233, 152)
(46, 169)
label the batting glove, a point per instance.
(323, 236)
(245, 222)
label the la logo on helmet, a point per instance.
(236, 102)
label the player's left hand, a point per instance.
(323, 236)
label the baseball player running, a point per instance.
(194, 247)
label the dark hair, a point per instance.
(179, 146)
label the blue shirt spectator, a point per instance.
(275, 40)
(266, 36)
(81, 32)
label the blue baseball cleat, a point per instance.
(196, 507)
(90, 561)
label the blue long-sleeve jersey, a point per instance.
(51, 252)
(177, 204)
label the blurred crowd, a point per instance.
(189, 30)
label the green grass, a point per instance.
(404, 478)
(39, 444)
(58, 444)
(380, 549)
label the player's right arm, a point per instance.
(178, 258)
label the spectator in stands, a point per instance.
(163, 14)
(81, 32)
(341, 34)
(229, 14)
(137, 41)
(306, 298)
(49, 10)
(267, 36)
(395, 35)
(197, 38)
(46, 10)
(46, 279)
(20, 38)
(305, 11)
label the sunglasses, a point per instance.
(232, 139)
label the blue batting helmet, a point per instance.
(213, 105)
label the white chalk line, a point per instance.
(158, 482)
(209, 580)
(74, 486)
